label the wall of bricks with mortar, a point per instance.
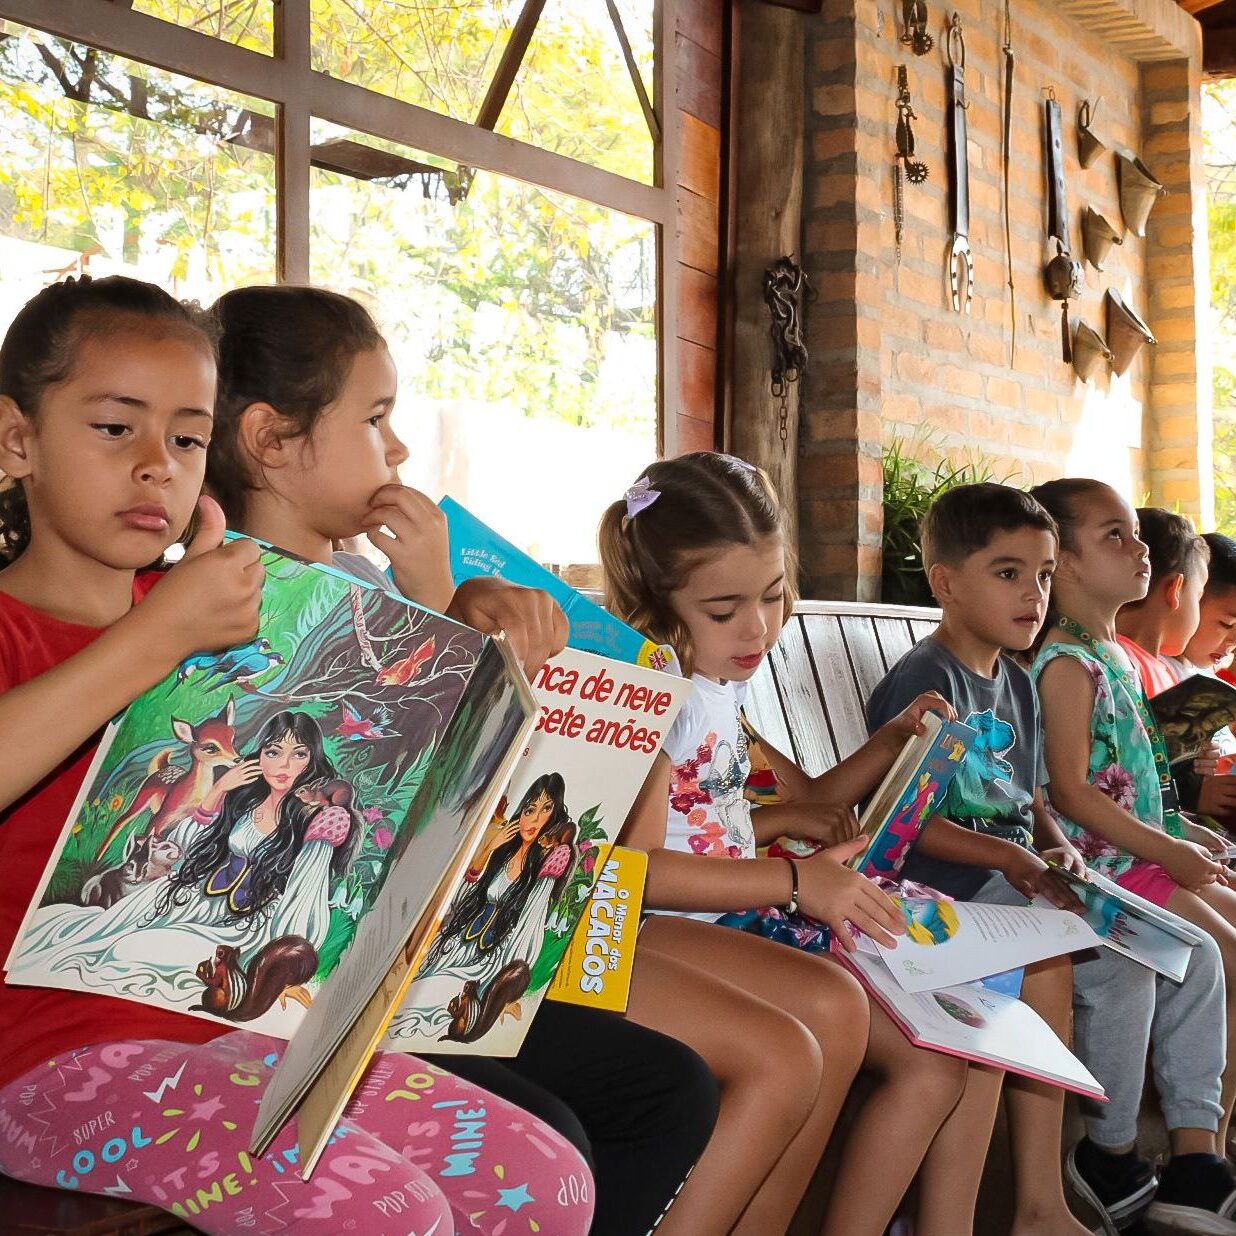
(890, 357)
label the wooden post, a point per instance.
(769, 125)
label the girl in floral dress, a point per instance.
(1109, 783)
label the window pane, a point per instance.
(248, 23)
(574, 94)
(437, 55)
(111, 167)
(522, 323)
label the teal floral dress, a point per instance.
(1121, 759)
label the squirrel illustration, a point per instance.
(241, 993)
(474, 1015)
(325, 793)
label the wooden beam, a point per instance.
(769, 110)
(512, 57)
(1196, 6)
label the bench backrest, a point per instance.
(808, 698)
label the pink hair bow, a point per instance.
(640, 497)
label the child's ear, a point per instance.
(16, 439)
(1171, 588)
(940, 580)
(262, 433)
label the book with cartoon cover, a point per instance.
(243, 816)
(912, 791)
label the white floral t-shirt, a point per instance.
(707, 749)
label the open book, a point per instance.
(244, 816)
(976, 1023)
(1134, 927)
(1192, 712)
(911, 792)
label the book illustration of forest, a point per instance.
(240, 818)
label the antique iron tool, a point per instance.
(1064, 275)
(961, 259)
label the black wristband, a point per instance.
(791, 906)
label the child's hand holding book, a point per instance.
(834, 893)
(1031, 875)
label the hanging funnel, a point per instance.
(1138, 192)
(1089, 147)
(1098, 236)
(1090, 352)
(1126, 332)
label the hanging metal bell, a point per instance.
(1126, 332)
(1139, 191)
(1089, 147)
(1098, 236)
(1090, 352)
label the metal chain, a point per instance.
(785, 287)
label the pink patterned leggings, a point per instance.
(419, 1152)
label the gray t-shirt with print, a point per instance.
(994, 789)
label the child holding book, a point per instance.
(989, 552)
(106, 407)
(304, 456)
(1110, 791)
(693, 556)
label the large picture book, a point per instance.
(242, 817)
(976, 1023)
(911, 792)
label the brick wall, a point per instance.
(890, 357)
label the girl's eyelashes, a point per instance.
(722, 617)
(375, 420)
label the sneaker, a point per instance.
(1197, 1194)
(1118, 1187)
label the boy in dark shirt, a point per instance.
(989, 552)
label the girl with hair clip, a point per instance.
(1111, 790)
(304, 455)
(107, 391)
(694, 556)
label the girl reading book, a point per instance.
(693, 555)
(106, 407)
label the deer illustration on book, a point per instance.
(273, 824)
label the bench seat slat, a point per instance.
(841, 701)
(804, 709)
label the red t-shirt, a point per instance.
(38, 1022)
(1155, 673)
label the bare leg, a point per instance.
(767, 1063)
(915, 1091)
(1036, 1115)
(1214, 910)
(953, 1169)
(816, 995)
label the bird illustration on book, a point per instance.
(403, 672)
(356, 728)
(250, 660)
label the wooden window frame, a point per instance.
(300, 93)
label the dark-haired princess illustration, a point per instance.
(260, 855)
(498, 917)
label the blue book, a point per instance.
(476, 549)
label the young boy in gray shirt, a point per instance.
(989, 552)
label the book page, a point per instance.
(976, 1023)
(950, 942)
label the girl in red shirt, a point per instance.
(107, 391)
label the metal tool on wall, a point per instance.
(1098, 236)
(915, 36)
(1089, 147)
(1139, 190)
(960, 258)
(1063, 274)
(1006, 158)
(905, 166)
(786, 287)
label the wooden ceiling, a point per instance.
(1218, 21)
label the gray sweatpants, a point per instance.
(1123, 1012)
